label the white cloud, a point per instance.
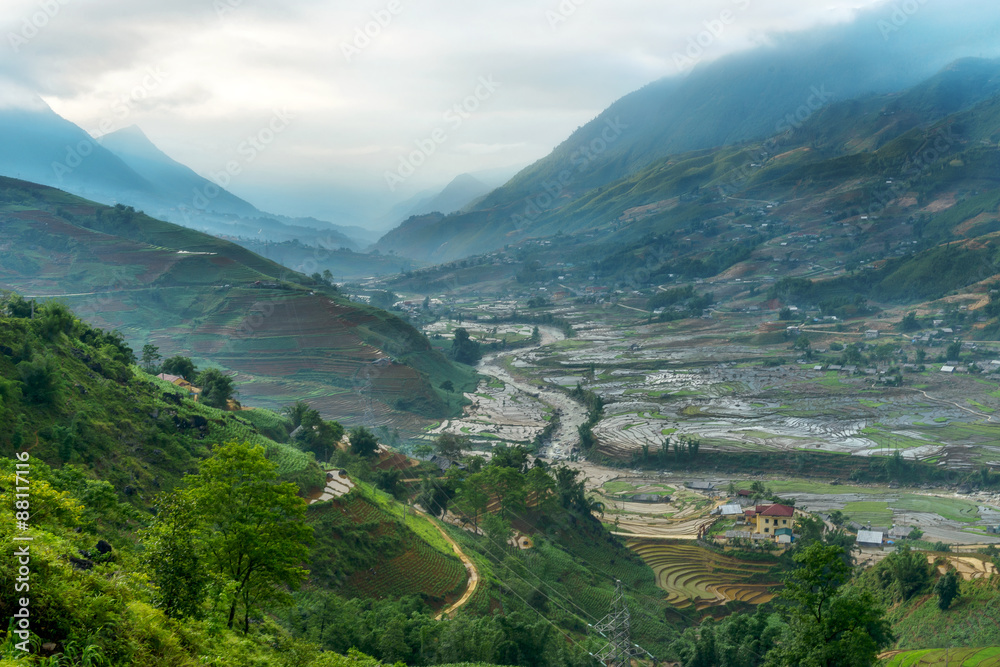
(228, 72)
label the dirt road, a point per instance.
(470, 567)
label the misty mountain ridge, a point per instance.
(38, 145)
(560, 183)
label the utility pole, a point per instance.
(616, 628)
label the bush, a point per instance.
(40, 380)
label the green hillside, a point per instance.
(285, 335)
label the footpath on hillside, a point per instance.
(470, 567)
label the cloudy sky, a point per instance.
(336, 92)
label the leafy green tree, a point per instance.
(905, 571)
(826, 625)
(172, 556)
(510, 457)
(507, 485)
(296, 412)
(53, 319)
(319, 436)
(947, 589)
(150, 355)
(539, 486)
(216, 388)
(909, 323)
(253, 528)
(497, 529)
(180, 366)
(448, 386)
(473, 497)
(40, 380)
(464, 350)
(363, 442)
(19, 308)
(809, 529)
(955, 351)
(450, 445)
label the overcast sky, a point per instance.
(201, 76)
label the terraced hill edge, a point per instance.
(286, 335)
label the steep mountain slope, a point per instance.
(285, 335)
(857, 154)
(38, 145)
(174, 181)
(765, 94)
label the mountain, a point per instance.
(458, 194)
(284, 335)
(38, 145)
(174, 181)
(891, 198)
(744, 97)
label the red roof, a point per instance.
(776, 510)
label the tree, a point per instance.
(448, 386)
(363, 442)
(464, 350)
(150, 355)
(826, 625)
(216, 388)
(540, 486)
(317, 436)
(253, 528)
(785, 314)
(296, 412)
(473, 497)
(946, 589)
(40, 380)
(181, 366)
(507, 485)
(450, 445)
(906, 571)
(955, 351)
(909, 323)
(172, 557)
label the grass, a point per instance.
(953, 509)
(806, 486)
(619, 487)
(864, 512)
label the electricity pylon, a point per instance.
(617, 629)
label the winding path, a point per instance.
(470, 567)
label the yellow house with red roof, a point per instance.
(767, 519)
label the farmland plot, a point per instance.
(694, 576)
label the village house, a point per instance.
(767, 519)
(192, 391)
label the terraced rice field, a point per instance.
(968, 567)
(956, 657)
(694, 576)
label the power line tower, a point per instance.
(616, 627)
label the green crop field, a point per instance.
(956, 657)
